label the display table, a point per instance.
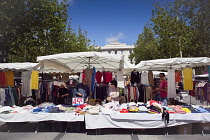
(30, 117)
(100, 121)
(13, 118)
(205, 117)
(141, 120)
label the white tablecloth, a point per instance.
(29, 117)
(141, 121)
(157, 117)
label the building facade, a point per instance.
(119, 48)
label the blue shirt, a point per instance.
(83, 89)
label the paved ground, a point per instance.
(83, 136)
(25, 131)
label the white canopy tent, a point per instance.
(128, 67)
(17, 66)
(171, 65)
(76, 62)
(28, 66)
(175, 63)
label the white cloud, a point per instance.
(115, 38)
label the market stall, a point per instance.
(172, 64)
(114, 116)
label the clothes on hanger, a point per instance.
(144, 78)
(135, 77)
(188, 80)
(10, 78)
(3, 79)
(98, 77)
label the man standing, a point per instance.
(163, 89)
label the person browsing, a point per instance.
(82, 90)
(63, 93)
(163, 89)
(113, 93)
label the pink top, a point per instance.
(163, 85)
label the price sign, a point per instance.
(77, 101)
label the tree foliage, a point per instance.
(181, 28)
(31, 28)
(146, 46)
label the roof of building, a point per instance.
(117, 45)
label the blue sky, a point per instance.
(108, 20)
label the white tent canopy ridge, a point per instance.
(175, 63)
(17, 66)
(76, 62)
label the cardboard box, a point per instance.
(185, 129)
(94, 102)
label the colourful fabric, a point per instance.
(163, 85)
(109, 77)
(170, 111)
(104, 77)
(150, 77)
(186, 110)
(10, 78)
(83, 74)
(3, 79)
(179, 109)
(209, 72)
(98, 77)
(34, 80)
(188, 81)
(200, 109)
(178, 77)
(88, 73)
(26, 82)
(93, 79)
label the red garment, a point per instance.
(83, 74)
(104, 77)
(163, 85)
(152, 101)
(3, 79)
(108, 77)
(98, 77)
(178, 77)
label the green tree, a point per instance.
(30, 28)
(146, 47)
(181, 28)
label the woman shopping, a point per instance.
(113, 92)
(63, 93)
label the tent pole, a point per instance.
(190, 98)
(89, 63)
(42, 76)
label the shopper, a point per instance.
(63, 93)
(113, 92)
(82, 90)
(163, 89)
